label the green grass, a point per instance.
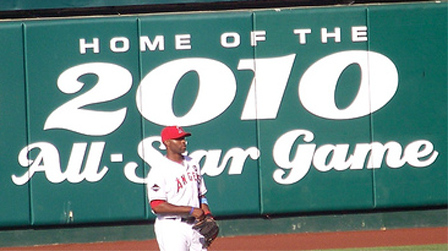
(443, 247)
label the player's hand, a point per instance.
(198, 214)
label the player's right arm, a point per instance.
(163, 207)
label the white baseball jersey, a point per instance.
(178, 184)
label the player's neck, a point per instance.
(178, 158)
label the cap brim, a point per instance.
(187, 134)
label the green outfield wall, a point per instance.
(292, 110)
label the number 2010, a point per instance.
(217, 90)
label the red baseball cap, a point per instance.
(173, 132)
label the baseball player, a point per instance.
(176, 193)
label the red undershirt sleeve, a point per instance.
(155, 203)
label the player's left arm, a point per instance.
(203, 202)
(204, 205)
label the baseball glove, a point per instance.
(208, 228)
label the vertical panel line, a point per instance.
(146, 209)
(374, 192)
(257, 123)
(27, 115)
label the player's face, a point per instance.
(177, 145)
